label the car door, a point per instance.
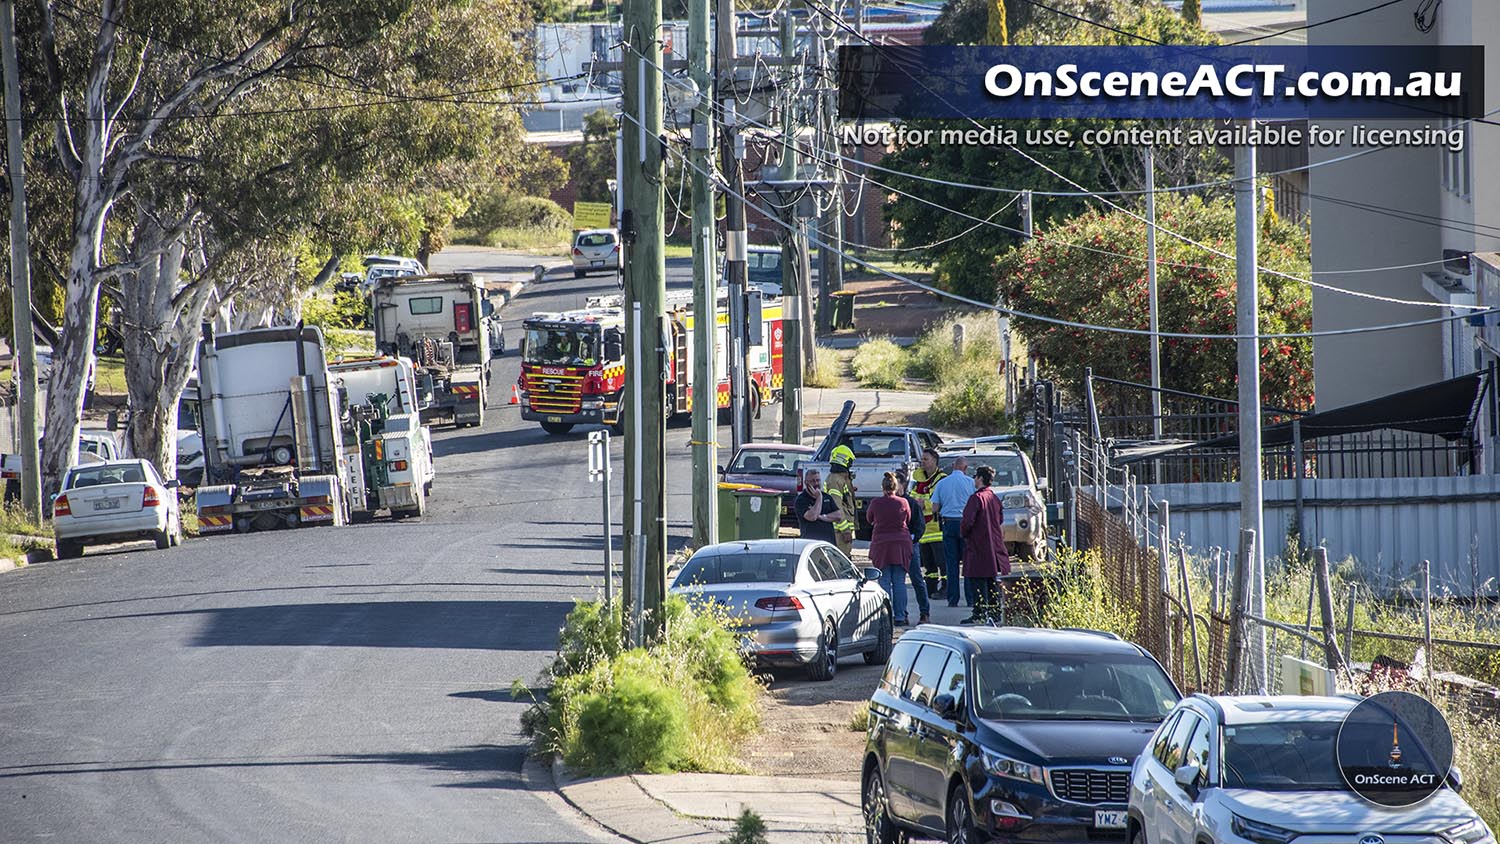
(1167, 755)
(867, 598)
(937, 736)
(892, 718)
(838, 594)
(1176, 820)
(921, 684)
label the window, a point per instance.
(766, 461)
(955, 679)
(1197, 752)
(596, 239)
(1112, 686)
(1163, 738)
(821, 567)
(1456, 165)
(425, 305)
(898, 666)
(738, 568)
(927, 674)
(842, 566)
(1177, 745)
(1287, 756)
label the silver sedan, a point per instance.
(114, 502)
(797, 602)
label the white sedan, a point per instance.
(117, 501)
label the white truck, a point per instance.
(438, 321)
(272, 450)
(382, 419)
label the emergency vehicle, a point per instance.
(573, 362)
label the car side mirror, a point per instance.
(174, 484)
(721, 470)
(487, 308)
(871, 573)
(1455, 779)
(1187, 776)
(1041, 483)
(945, 705)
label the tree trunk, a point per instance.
(71, 362)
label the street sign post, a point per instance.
(599, 472)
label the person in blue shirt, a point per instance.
(948, 500)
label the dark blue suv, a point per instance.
(1008, 734)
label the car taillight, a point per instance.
(61, 507)
(615, 248)
(398, 465)
(577, 251)
(780, 602)
(150, 498)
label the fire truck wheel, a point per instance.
(557, 428)
(755, 400)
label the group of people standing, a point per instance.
(942, 531)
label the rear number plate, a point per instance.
(107, 504)
(598, 263)
(264, 505)
(554, 418)
(1109, 820)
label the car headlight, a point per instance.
(1004, 766)
(1016, 501)
(1468, 832)
(1260, 833)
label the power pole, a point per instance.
(1155, 308)
(793, 245)
(1247, 325)
(731, 154)
(831, 227)
(705, 287)
(20, 274)
(641, 229)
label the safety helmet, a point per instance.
(843, 457)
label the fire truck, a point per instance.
(573, 363)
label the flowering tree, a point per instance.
(1053, 276)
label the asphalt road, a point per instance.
(321, 684)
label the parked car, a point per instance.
(797, 602)
(595, 249)
(1020, 490)
(114, 502)
(378, 267)
(769, 466)
(1264, 770)
(1020, 735)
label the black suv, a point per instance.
(1008, 734)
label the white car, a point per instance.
(595, 250)
(378, 267)
(116, 501)
(1264, 770)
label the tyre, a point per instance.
(579, 273)
(879, 828)
(177, 533)
(1138, 837)
(825, 663)
(557, 429)
(754, 396)
(427, 489)
(163, 539)
(69, 550)
(883, 635)
(960, 827)
(1025, 551)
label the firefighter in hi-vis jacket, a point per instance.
(923, 480)
(840, 485)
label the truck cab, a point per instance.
(381, 418)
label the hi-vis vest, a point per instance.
(843, 494)
(921, 489)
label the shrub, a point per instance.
(972, 402)
(343, 310)
(880, 364)
(933, 357)
(501, 210)
(830, 369)
(638, 722)
(749, 828)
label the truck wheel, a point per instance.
(557, 428)
(755, 400)
(69, 550)
(427, 488)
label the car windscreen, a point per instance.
(602, 239)
(766, 462)
(763, 267)
(1009, 470)
(1040, 687)
(561, 347)
(99, 475)
(1292, 755)
(739, 567)
(876, 445)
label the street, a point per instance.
(319, 684)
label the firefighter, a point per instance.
(840, 485)
(923, 479)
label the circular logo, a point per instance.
(1394, 749)
(1121, 760)
(1372, 839)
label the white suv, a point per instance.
(1264, 770)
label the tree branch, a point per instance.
(62, 139)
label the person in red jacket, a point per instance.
(985, 557)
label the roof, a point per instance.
(1256, 709)
(1036, 640)
(760, 546)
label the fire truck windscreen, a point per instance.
(562, 347)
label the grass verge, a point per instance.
(683, 704)
(13, 520)
(830, 372)
(880, 364)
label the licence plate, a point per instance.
(107, 504)
(554, 418)
(598, 263)
(1113, 819)
(264, 505)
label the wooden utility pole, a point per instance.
(731, 157)
(641, 228)
(705, 286)
(24, 349)
(793, 247)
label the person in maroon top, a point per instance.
(985, 557)
(890, 543)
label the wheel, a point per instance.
(69, 550)
(176, 536)
(1138, 837)
(557, 428)
(882, 651)
(754, 397)
(579, 273)
(961, 829)
(427, 489)
(421, 509)
(879, 828)
(825, 663)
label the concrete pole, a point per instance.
(831, 227)
(1151, 291)
(731, 155)
(705, 287)
(646, 331)
(20, 275)
(1247, 325)
(793, 244)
